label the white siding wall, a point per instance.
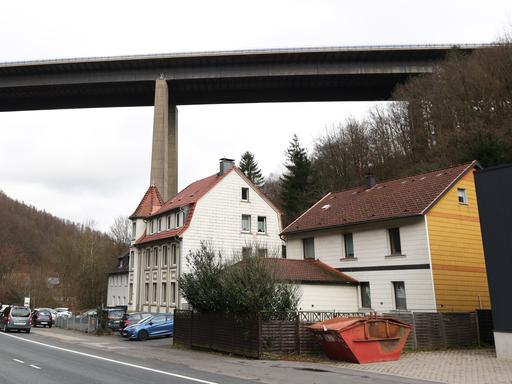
(217, 219)
(340, 298)
(371, 249)
(118, 288)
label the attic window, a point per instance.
(326, 206)
(245, 194)
(461, 195)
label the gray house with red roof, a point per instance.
(413, 243)
(226, 210)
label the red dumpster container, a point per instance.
(362, 339)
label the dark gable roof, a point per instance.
(408, 196)
(123, 264)
(307, 271)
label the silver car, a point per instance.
(16, 317)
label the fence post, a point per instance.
(260, 335)
(477, 324)
(443, 330)
(415, 336)
(297, 333)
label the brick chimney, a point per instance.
(225, 165)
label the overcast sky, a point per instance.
(94, 163)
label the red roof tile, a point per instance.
(307, 271)
(408, 196)
(150, 203)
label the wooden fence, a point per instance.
(253, 337)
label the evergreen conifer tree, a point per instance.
(298, 183)
(249, 166)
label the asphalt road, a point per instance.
(35, 358)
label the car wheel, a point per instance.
(143, 335)
(27, 330)
(19, 330)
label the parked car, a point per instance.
(154, 326)
(16, 317)
(126, 320)
(63, 313)
(53, 312)
(42, 317)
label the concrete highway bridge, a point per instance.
(169, 80)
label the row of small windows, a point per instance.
(261, 224)
(400, 301)
(395, 245)
(164, 299)
(258, 251)
(118, 280)
(168, 222)
(154, 261)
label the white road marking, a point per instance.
(34, 366)
(110, 360)
(19, 361)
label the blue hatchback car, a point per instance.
(154, 326)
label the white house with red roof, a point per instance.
(226, 210)
(413, 243)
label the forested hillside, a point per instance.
(35, 246)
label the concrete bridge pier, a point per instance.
(164, 154)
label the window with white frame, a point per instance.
(164, 255)
(168, 219)
(155, 257)
(245, 194)
(246, 252)
(173, 293)
(154, 293)
(395, 245)
(134, 230)
(461, 196)
(152, 227)
(399, 293)
(132, 256)
(262, 224)
(179, 218)
(163, 294)
(130, 293)
(366, 301)
(246, 223)
(308, 245)
(348, 240)
(159, 224)
(148, 258)
(146, 292)
(174, 254)
(262, 252)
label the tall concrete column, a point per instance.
(164, 155)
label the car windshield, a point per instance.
(145, 320)
(44, 313)
(115, 314)
(20, 312)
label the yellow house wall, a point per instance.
(458, 264)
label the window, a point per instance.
(461, 195)
(174, 254)
(394, 241)
(168, 218)
(246, 252)
(179, 218)
(164, 256)
(245, 194)
(148, 255)
(146, 292)
(246, 223)
(152, 226)
(164, 293)
(154, 293)
(134, 230)
(399, 291)
(262, 224)
(349, 245)
(309, 248)
(159, 224)
(173, 293)
(366, 301)
(130, 293)
(155, 257)
(283, 251)
(262, 252)
(132, 255)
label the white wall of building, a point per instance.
(372, 249)
(117, 290)
(339, 298)
(217, 220)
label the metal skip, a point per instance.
(362, 339)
